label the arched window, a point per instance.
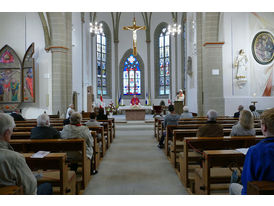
(164, 60)
(103, 60)
(131, 76)
(162, 67)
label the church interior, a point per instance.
(134, 65)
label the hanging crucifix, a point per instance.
(134, 30)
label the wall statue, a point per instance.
(241, 68)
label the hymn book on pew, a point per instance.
(242, 150)
(40, 154)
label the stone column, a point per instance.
(60, 28)
(210, 72)
(148, 69)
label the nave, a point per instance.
(135, 166)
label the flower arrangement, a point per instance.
(111, 107)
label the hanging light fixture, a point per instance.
(174, 29)
(95, 28)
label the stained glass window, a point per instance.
(101, 64)
(131, 76)
(164, 51)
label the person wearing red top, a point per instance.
(134, 100)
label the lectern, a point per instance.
(178, 106)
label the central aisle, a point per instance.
(134, 165)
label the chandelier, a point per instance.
(174, 29)
(96, 28)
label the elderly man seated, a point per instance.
(13, 167)
(76, 130)
(43, 129)
(211, 128)
(186, 114)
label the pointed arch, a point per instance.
(103, 62)
(141, 78)
(162, 62)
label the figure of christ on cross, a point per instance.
(134, 30)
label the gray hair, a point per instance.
(6, 123)
(43, 121)
(75, 118)
(185, 109)
(212, 115)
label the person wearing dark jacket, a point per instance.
(17, 116)
(43, 129)
(101, 115)
(237, 114)
(211, 128)
(170, 119)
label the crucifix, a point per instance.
(134, 30)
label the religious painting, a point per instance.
(10, 85)
(263, 47)
(16, 79)
(28, 76)
(10, 79)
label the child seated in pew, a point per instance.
(76, 130)
(259, 160)
(170, 119)
(245, 126)
(13, 167)
(43, 129)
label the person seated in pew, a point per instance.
(212, 128)
(67, 121)
(237, 114)
(43, 129)
(92, 121)
(101, 115)
(13, 167)
(171, 119)
(76, 130)
(259, 160)
(256, 115)
(17, 115)
(186, 114)
(245, 126)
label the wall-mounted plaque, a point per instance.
(263, 47)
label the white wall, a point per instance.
(191, 84)
(19, 30)
(237, 30)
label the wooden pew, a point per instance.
(219, 158)
(57, 145)
(176, 145)
(25, 129)
(208, 143)
(100, 130)
(11, 190)
(260, 188)
(59, 175)
(33, 124)
(109, 127)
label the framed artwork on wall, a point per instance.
(16, 78)
(263, 47)
(28, 87)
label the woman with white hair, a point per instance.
(186, 114)
(76, 130)
(43, 129)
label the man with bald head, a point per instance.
(211, 128)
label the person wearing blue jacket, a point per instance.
(259, 160)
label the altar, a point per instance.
(135, 113)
